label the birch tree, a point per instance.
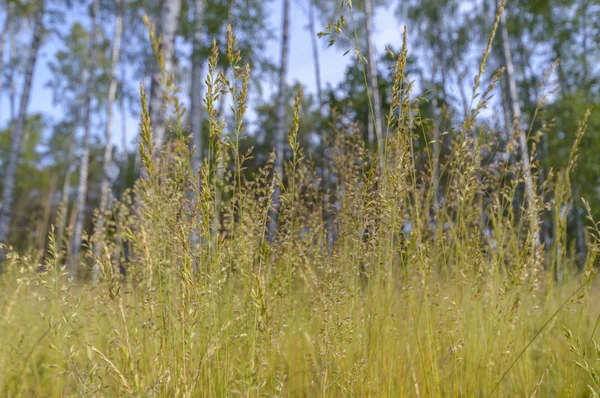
(373, 83)
(112, 92)
(85, 157)
(169, 22)
(66, 188)
(197, 82)
(515, 108)
(18, 130)
(3, 36)
(67, 83)
(315, 50)
(13, 62)
(280, 115)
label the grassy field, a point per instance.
(372, 284)
(324, 333)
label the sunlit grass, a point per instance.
(457, 304)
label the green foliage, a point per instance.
(68, 71)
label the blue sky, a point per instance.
(387, 30)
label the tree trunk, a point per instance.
(85, 158)
(579, 228)
(197, 84)
(372, 76)
(42, 226)
(11, 74)
(371, 140)
(220, 171)
(435, 157)
(315, 51)
(438, 116)
(120, 247)
(328, 217)
(515, 108)
(3, 37)
(18, 132)
(585, 48)
(280, 115)
(112, 93)
(196, 104)
(64, 198)
(169, 21)
(123, 111)
(506, 111)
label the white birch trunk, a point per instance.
(197, 84)
(372, 77)
(18, 131)
(515, 108)
(169, 21)
(112, 93)
(280, 115)
(3, 36)
(328, 217)
(315, 51)
(64, 198)
(85, 158)
(196, 96)
(11, 73)
(123, 111)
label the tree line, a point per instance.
(546, 51)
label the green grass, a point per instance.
(210, 308)
(326, 335)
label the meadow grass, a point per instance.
(415, 296)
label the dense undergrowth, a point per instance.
(386, 280)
